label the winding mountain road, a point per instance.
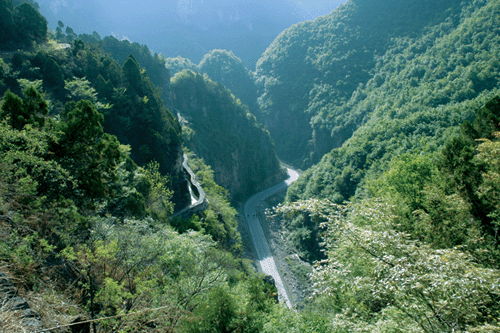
(265, 257)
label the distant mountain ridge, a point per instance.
(187, 28)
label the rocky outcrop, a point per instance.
(15, 312)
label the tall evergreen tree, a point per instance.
(85, 149)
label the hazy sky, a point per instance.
(89, 10)
(314, 8)
(155, 23)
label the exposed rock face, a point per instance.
(196, 192)
(7, 289)
(16, 308)
(180, 184)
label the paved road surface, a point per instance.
(264, 255)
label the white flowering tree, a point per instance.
(378, 279)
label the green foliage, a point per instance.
(240, 152)
(224, 67)
(218, 314)
(26, 161)
(70, 35)
(139, 119)
(7, 21)
(285, 320)
(53, 72)
(79, 217)
(158, 195)
(426, 208)
(407, 176)
(31, 25)
(12, 107)
(349, 71)
(375, 274)
(87, 151)
(33, 209)
(19, 113)
(153, 64)
(134, 264)
(178, 64)
(21, 25)
(219, 220)
(25, 84)
(436, 194)
(489, 189)
(80, 89)
(132, 106)
(401, 260)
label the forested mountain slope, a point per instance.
(20, 25)
(85, 232)
(119, 50)
(316, 75)
(132, 108)
(421, 89)
(224, 67)
(404, 215)
(219, 128)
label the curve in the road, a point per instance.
(264, 255)
(199, 203)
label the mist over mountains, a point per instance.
(189, 28)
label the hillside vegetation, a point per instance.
(219, 128)
(419, 250)
(393, 105)
(402, 215)
(90, 176)
(331, 73)
(421, 90)
(225, 68)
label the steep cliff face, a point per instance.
(218, 128)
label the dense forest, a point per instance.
(242, 153)
(91, 174)
(401, 214)
(391, 107)
(334, 72)
(223, 67)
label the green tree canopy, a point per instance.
(32, 110)
(85, 149)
